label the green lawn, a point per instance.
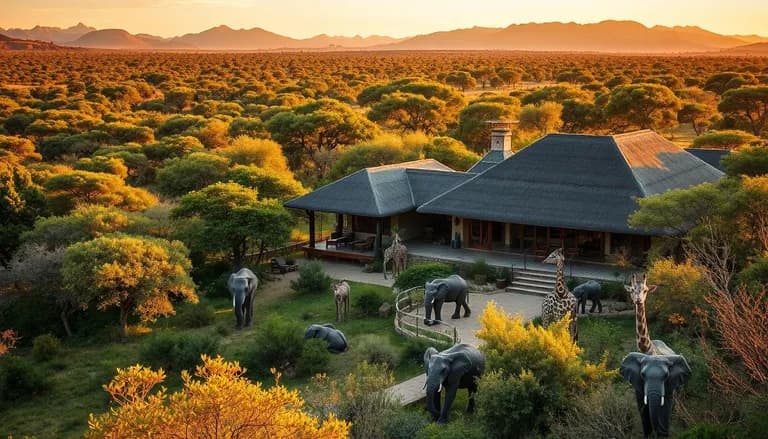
(86, 364)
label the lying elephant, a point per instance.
(591, 290)
(337, 342)
(450, 289)
(458, 367)
(242, 286)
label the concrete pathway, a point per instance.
(354, 272)
(528, 307)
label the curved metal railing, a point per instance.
(409, 316)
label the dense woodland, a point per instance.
(131, 182)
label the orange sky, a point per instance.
(304, 18)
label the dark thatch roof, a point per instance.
(575, 181)
(491, 158)
(382, 191)
(711, 156)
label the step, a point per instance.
(528, 291)
(537, 273)
(534, 279)
(542, 286)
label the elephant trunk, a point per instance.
(238, 301)
(659, 409)
(433, 398)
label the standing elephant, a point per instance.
(450, 289)
(242, 285)
(458, 367)
(337, 342)
(655, 378)
(589, 290)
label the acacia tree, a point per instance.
(473, 128)
(409, 112)
(646, 106)
(21, 201)
(696, 114)
(748, 105)
(72, 189)
(138, 275)
(234, 220)
(216, 401)
(542, 118)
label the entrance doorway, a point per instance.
(482, 234)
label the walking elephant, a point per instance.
(655, 378)
(337, 342)
(455, 368)
(242, 286)
(591, 290)
(450, 289)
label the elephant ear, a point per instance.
(679, 371)
(428, 356)
(329, 325)
(630, 369)
(460, 363)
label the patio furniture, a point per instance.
(338, 241)
(366, 244)
(279, 265)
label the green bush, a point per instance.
(277, 343)
(458, 429)
(415, 348)
(377, 349)
(710, 431)
(45, 347)
(404, 424)
(481, 268)
(20, 378)
(368, 301)
(197, 316)
(314, 358)
(177, 351)
(615, 291)
(419, 274)
(608, 411)
(312, 279)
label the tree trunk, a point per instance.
(124, 321)
(65, 321)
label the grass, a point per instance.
(85, 364)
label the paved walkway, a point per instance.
(354, 272)
(528, 307)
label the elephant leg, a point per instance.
(249, 310)
(599, 305)
(450, 395)
(436, 397)
(338, 313)
(465, 304)
(239, 317)
(438, 307)
(457, 312)
(471, 402)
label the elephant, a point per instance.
(450, 289)
(242, 285)
(591, 290)
(337, 342)
(458, 367)
(655, 378)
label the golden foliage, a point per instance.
(216, 402)
(679, 297)
(8, 339)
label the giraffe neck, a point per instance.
(560, 289)
(643, 338)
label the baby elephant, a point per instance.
(589, 290)
(337, 342)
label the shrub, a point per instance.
(615, 291)
(368, 301)
(455, 430)
(177, 351)
(314, 357)
(312, 279)
(278, 343)
(45, 347)
(607, 412)
(197, 316)
(418, 275)
(679, 298)
(481, 268)
(377, 349)
(20, 378)
(404, 424)
(415, 348)
(512, 406)
(709, 431)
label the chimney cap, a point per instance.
(501, 124)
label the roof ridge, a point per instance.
(401, 164)
(374, 192)
(629, 167)
(634, 133)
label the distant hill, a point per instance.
(756, 49)
(8, 43)
(606, 36)
(48, 33)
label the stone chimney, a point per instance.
(501, 136)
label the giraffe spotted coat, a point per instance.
(560, 301)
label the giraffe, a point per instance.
(341, 297)
(638, 291)
(560, 300)
(398, 254)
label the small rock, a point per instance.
(385, 309)
(621, 306)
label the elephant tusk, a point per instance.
(662, 400)
(645, 400)
(440, 388)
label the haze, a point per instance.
(398, 18)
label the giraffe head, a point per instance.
(638, 290)
(554, 257)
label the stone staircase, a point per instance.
(533, 282)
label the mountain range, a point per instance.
(8, 43)
(605, 36)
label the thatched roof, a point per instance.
(491, 158)
(575, 181)
(711, 156)
(383, 190)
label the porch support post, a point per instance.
(607, 243)
(311, 216)
(377, 251)
(507, 234)
(339, 224)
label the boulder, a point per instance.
(385, 309)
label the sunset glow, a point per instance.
(398, 18)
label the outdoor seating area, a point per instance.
(280, 265)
